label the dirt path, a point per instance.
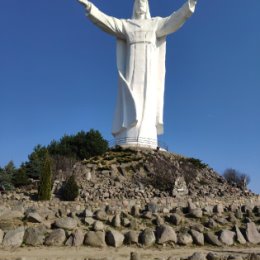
(82, 253)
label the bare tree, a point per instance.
(234, 177)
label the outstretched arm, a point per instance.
(173, 22)
(107, 23)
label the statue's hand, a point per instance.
(86, 3)
(193, 2)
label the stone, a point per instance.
(126, 222)
(89, 221)
(34, 217)
(227, 237)
(152, 207)
(14, 238)
(159, 220)
(239, 236)
(147, 237)
(1, 236)
(212, 239)
(198, 227)
(164, 234)
(12, 214)
(219, 209)
(135, 256)
(191, 206)
(213, 256)
(116, 221)
(254, 256)
(176, 219)
(132, 237)
(114, 238)
(184, 239)
(252, 234)
(197, 256)
(196, 213)
(34, 236)
(235, 257)
(101, 215)
(95, 239)
(55, 238)
(98, 226)
(66, 223)
(88, 213)
(75, 239)
(198, 237)
(135, 211)
(211, 223)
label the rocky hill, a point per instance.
(142, 173)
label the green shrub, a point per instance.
(20, 178)
(45, 184)
(70, 190)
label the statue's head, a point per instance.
(141, 8)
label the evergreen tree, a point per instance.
(70, 190)
(45, 184)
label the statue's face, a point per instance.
(141, 7)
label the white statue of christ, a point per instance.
(141, 43)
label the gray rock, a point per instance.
(235, 257)
(116, 221)
(147, 237)
(197, 256)
(55, 238)
(239, 236)
(66, 223)
(252, 234)
(88, 213)
(219, 209)
(211, 223)
(114, 238)
(213, 256)
(34, 217)
(165, 233)
(126, 222)
(254, 257)
(131, 237)
(34, 236)
(212, 239)
(89, 221)
(95, 239)
(176, 219)
(196, 213)
(159, 220)
(1, 236)
(198, 227)
(227, 237)
(98, 226)
(184, 239)
(14, 238)
(101, 215)
(12, 214)
(135, 256)
(191, 206)
(152, 207)
(75, 239)
(198, 237)
(135, 211)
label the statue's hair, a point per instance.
(147, 14)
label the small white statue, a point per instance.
(141, 48)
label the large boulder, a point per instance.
(131, 237)
(34, 236)
(98, 226)
(252, 234)
(227, 237)
(101, 215)
(197, 256)
(212, 239)
(114, 238)
(14, 238)
(239, 236)
(176, 219)
(95, 239)
(184, 239)
(55, 238)
(34, 217)
(147, 237)
(198, 237)
(165, 233)
(66, 223)
(76, 238)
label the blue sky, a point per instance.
(58, 75)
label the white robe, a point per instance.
(141, 68)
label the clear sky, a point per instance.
(58, 75)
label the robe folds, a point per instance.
(141, 49)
